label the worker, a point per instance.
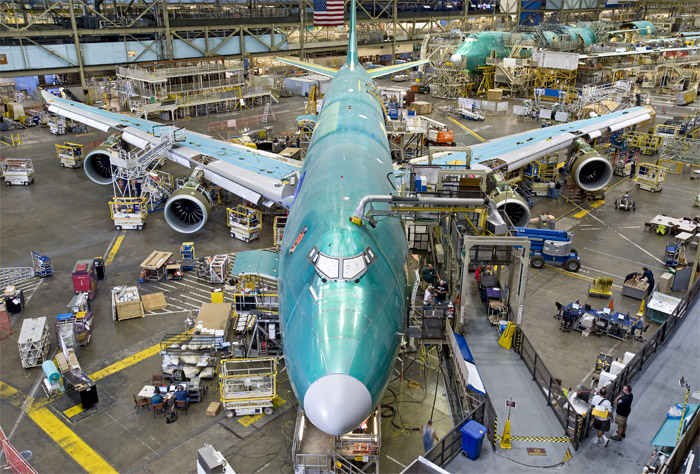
(429, 436)
(551, 190)
(182, 395)
(441, 291)
(429, 275)
(633, 169)
(638, 325)
(631, 276)
(649, 277)
(428, 296)
(158, 398)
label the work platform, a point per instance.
(505, 376)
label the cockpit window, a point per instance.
(341, 268)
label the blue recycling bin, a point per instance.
(472, 437)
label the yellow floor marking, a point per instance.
(74, 410)
(83, 134)
(126, 362)
(249, 420)
(113, 251)
(576, 275)
(598, 203)
(71, 443)
(580, 214)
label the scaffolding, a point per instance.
(450, 83)
(680, 151)
(558, 79)
(278, 230)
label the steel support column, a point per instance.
(76, 40)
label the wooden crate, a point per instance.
(214, 408)
(154, 301)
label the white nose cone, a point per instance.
(337, 403)
(456, 59)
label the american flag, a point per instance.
(329, 12)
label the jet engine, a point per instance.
(589, 170)
(456, 59)
(97, 165)
(510, 202)
(188, 208)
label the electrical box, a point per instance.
(556, 249)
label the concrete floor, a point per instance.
(65, 216)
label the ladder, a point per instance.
(266, 113)
(15, 275)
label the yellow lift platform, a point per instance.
(245, 222)
(128, 212)
(70, 154)
(248, 386)
(650, 177)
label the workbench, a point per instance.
(661, 306)
(666, 438)
(153, 267)
(674, 225)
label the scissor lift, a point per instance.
(70, 154)
(248, 385)
(128, 212)
(18, 171)
(245, 222)
(650, 177)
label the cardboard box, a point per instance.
(494, 94)
(214, 408)
(421, 107)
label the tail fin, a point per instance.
(352, 61)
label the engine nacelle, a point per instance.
(456, 59)
(188, 208)
(589, 170)
(511, 203)
(97, 163)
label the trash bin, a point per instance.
(472, 436)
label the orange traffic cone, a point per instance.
(611, 305)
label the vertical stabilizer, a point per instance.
(353, 61)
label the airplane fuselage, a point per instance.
(341, 317)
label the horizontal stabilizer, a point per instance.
(383, 71)
(318, 69)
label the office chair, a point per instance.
(158, 407)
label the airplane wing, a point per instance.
(514, 151)
(254, 175)
(383, 71)
(316, 68)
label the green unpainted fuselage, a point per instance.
(477, 47)
(334, 326)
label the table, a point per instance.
(678, 224)
(619, 325)
(683, 237)
(148, 390)
(667, 434)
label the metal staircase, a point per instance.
(131, 166)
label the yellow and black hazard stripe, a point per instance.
(567, 455)
(541, 439)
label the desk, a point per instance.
(683, 237)
(148, 390)
(667, 434)
(672, 223)
(619, 325)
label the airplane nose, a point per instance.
(337, 403)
